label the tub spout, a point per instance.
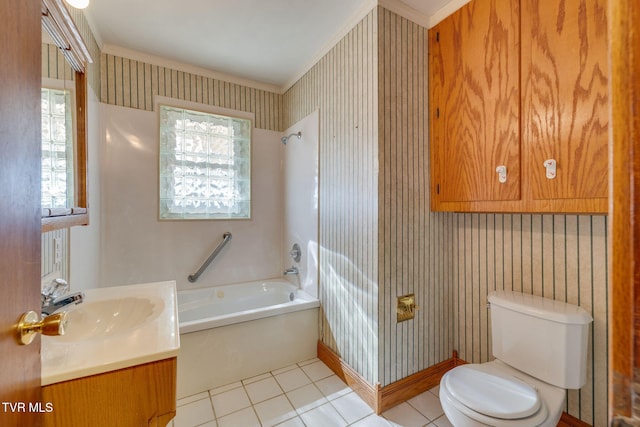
(291, 270)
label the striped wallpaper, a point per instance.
(407, 262)
(377, 238)
(131, 83)
(54, 65)
(93, 71)
(343, 86)
(374, 194)
(48, 264)
(563, 257)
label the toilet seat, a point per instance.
(495, 395)
(470, 383)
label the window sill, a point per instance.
(57, 222)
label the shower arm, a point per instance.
(285, 139)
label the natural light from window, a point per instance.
(57, 149)
(205, 165)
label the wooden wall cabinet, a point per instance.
(143, 395)
(513, 84)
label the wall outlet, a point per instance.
(406, 307)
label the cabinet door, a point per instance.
(475, 103)
(565, 100)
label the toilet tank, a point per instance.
(544, 338)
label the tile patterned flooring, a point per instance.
(306, 394)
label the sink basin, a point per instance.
(104, 318)
(114, 328)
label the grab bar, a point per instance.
(225, 238)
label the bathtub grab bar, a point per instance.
(226, 237)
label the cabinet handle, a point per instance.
(502, 174)
(550, 166)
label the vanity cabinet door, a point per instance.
(142, 395)
(565, 97)
(475, 103)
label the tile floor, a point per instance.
(307, 394)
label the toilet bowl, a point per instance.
(540, 350)
(495, 394)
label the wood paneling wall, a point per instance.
(409, 235)
(130, 83)
(375, 225)
(93, 70)
(48, 262)
(378, 239)
(343, 86)
(54, 65)
(555, 256)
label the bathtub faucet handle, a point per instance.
(291, 270)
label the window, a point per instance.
(57, 149)
(205, 165)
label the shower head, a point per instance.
(285, 139)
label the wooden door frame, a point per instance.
(20, 238)
(624, 303)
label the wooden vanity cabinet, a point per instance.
(517, 83)
(143, 395)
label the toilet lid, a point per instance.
(493, 395)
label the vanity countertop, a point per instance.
(114, 328)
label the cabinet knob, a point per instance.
(502, 174)
(550, 166)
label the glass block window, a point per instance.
(205, 165)
(57, 149)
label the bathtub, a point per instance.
(232, 332)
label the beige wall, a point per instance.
(131, 83)
(409, 260)
(374, 194)
(563, 257)
(343, 86)
(136, 247)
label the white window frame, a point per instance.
(207, 109)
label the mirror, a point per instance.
(64, 100)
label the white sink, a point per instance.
(102, 319)
(113, 328)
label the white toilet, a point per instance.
(540, 346)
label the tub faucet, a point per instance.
(55, 296)
(291, 270)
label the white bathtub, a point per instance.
(229, 333)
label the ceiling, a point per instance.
(267, 41)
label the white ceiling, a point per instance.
(266, 41)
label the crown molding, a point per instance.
(445, 11)
(395, 6)
(406, 11)
(180, 66)
(353, 20)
